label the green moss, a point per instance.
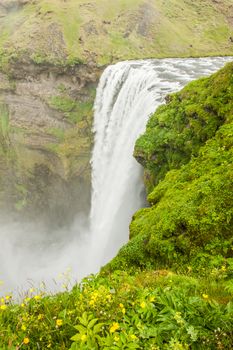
(190, 219)
(5, 149)
(177, 130)
(63, 104)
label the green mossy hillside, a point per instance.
(178, 129)
(190, 219)
(82, 31)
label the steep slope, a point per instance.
(103, 31)
(188, 147)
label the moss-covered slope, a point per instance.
(188, 146)
(105, 30)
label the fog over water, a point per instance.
(127, 94)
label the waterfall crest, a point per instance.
(127, 94)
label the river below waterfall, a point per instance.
(127, 94)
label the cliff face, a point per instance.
(46, 139)
(187, 153)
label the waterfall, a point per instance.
(127, 94)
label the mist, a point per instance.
(32, 254)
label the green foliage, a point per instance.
(177, 130)
(150, 310)
(88, 336)
(190, 219)
(39, 58)
(4, 130)
(74, 111)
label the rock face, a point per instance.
(46, 139)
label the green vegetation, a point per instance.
(79, 31)
(170, 286)
(150, 310)
(190, 220)
(73, 110)
(4, 130)
(177, 130)
(74, 144)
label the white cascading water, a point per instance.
(127, 94)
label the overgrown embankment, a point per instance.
(187, 154)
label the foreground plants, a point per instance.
(147, 310)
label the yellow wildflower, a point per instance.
(133, 337)
(2, 300)
(84, 337)
(223, 268)
(3, 307)
(40, 316)
(26, 340)
(8, 297)
(115, 326)
(116, 338)
(22, 305)
(37, 297)
(91, 302)
(123, 310)
(143, 304)
(205, 296)
(121, 305)
(151, 299)
(23, 327)
(59, 323)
